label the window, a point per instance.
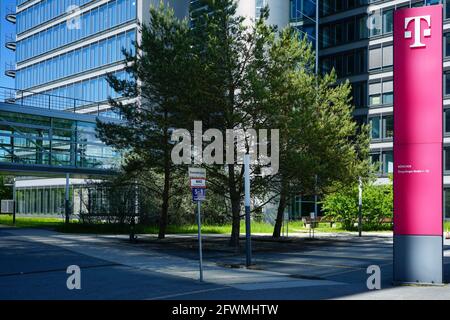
(122, 9)
(447, 9)
(374, 21)
(375, 61)
(359, 94)
(388, 127)
(109, 50)
(111, 14)
(375, 160)
(381, 93)
(388, 162)
(388, 21)
(447, 121)
(104, 17)
(447, 159)
(102, 53)
(85, 89)
(114, 49)
(447, 83)
(84, 66)
(447, 45)
(94, 20)
(122, 43)
(96, 54)
(447, 203)
(375, 128)
(388, 56)
(388, 95)
(374, 94)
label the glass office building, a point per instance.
(355, 38)
(65, 48)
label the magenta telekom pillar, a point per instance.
(418, 138)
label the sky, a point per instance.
(6, 55)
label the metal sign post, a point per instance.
(200, 253)
(360, 207)
(198, 186)
(248, 239)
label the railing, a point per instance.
(28, 98)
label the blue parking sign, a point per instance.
(198, 194)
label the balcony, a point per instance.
(10, 42)
(10, 70)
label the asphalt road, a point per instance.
(33, 268)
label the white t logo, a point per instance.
(417, 35)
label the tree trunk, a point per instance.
(280, 212)
(236, 224)
(165, 197)
(235, 208)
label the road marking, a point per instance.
(330, 254)
(285, 284)
(348, 271)
(186, 293)
(21, 273)
(319, 265)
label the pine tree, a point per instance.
(154, 101)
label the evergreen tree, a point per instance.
(154, 101)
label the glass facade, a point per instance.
(89, 201)
(42, 200)
(304, 11)
(343, 31)
(302, 206)
(44, 11)
(92, 56)
(328, 7)
(40, 140)
(60, 61)
(384, 161)
(93, 89)
(259, 5)
(381, 127)
(98, 19)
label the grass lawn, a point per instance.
(446, 226)
(30, 222)
(99, 228)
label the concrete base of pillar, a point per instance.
(418, 259)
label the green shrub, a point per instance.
(377, 206)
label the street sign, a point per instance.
(198, 183)
(197, 173)
(197, 177)
(198, 194)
